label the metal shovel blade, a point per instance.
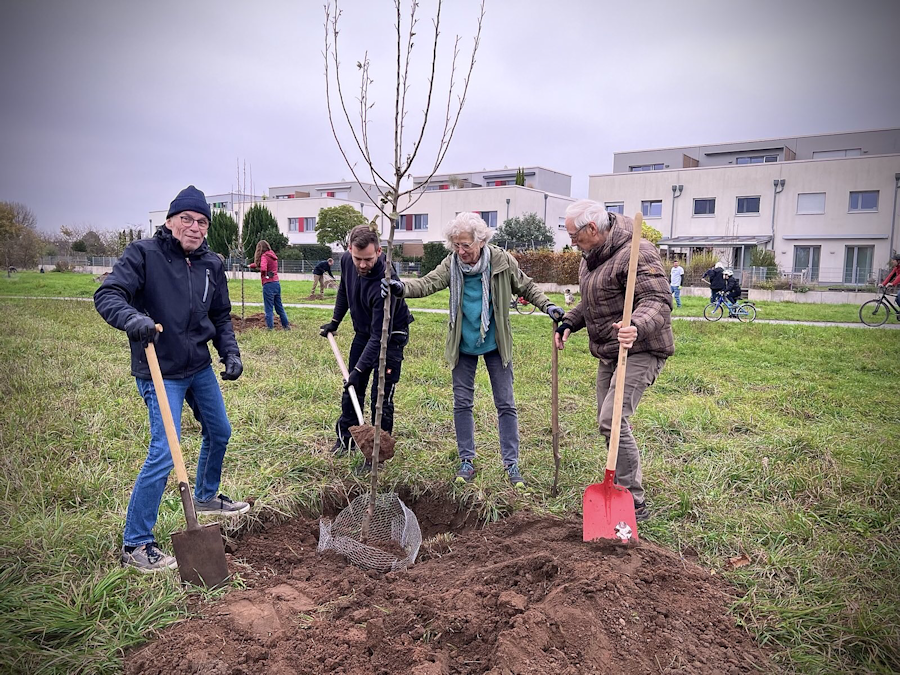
(608, 512)
(201, 556)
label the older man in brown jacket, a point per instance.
(604, 239)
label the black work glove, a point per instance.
(330, 327)
(562, 328)
(233, 367)
(141, 328)
(394, 287)
(353, 379)
(555, 312)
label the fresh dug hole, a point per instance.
(524, 595)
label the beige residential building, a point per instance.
(825, 205)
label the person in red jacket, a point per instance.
(893, 277)
(266, 262)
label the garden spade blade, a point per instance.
(199, 551)
(608, 510)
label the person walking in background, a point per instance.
(715, 279)
(266, 262)
(319, 272)
(174, 279)
(605, 241)
(481, 278)
(675, 277)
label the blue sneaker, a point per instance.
(466, 473)
(515, 477)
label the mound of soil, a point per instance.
(257, 320)
(364, 435)
(522, 596)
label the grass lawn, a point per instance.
(774, 441)
(297, 292)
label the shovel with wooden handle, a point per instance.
(609, 508)
(364, 434)
(199, 551)
(554, 404)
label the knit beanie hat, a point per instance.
(189, 199)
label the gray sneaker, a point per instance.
(515, 477)
(148, 558)
(221, 506)
(466, 473)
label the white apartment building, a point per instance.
(825, 205)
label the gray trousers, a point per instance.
(641, 371)
(504, 401)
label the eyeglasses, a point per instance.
(187, 221)
(574, 235)
(464, 245)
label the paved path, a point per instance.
(300, 305)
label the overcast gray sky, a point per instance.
(110, 107)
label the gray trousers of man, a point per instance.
(640, 372)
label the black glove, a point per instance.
(353, 379)
(394, 287)
(562, 328)
(233, 367)
(330, 327)
(141, 328)
(555, 312)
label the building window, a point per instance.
(864, 201)
(652, 208)
(858, 264)
(293, 225)
(420, 221)
(747, 206)
(329, 194)
(705, 207)
(647, 167)
(309, 224)
(411, 222)
(806, 261)
(490, 217)
(562, 223)
(810, 202)
(615, 207)
(757, 159)
(827, 154)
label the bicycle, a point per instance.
(877, 312)
(521, 305)
(744, 312)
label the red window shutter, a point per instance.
(329, 194)
(444, 187)
(499, 183)
(409, 222)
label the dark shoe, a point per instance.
(222, 506)
(641, 512)
(339, 449)
(466, 473)
(365, 468)
(515, 478)
(148, 558)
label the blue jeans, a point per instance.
(272, 300)
(504, 401)
(202, 393)
(676, 291)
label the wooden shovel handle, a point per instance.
(346, 374)
(554, 407)
(613, 455)
(171, 435)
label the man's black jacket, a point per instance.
(362, 296)
(716, 280)
(187, 294)
(732, 289)
(323, 268)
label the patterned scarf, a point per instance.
(457, 270)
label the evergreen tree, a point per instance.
(222, 232)
(257, 221)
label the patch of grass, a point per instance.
(769, 440)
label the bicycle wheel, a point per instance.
(874, 312)
(713, 312)
(523, 307)
(745, 313)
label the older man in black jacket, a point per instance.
(174, 279)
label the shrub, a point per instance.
(546, 266)
(698, 265)
(315, 252)
(63, 265)
(435, 252)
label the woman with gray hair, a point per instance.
(481, 279)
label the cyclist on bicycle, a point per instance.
(732, 288)
(893, 277)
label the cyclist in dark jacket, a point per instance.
(362, 269)
(715, 279)
(175, 280)
(732, 286)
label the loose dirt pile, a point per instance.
(250, 321)
(364, 435)
(521, 596)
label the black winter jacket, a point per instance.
(362, 296)
(187, 294)
(322, 269)
(716, 280)
(732, 289)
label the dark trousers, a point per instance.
(392, 375)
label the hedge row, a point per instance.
(546, 266)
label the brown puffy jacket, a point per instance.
(602, 278)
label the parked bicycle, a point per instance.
(521, 305)
(877, 312)
(742, 311)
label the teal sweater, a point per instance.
(471, 319)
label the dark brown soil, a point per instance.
(523, 596)
(249, 321)
(364, 435)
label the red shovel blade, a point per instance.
(608, 512)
